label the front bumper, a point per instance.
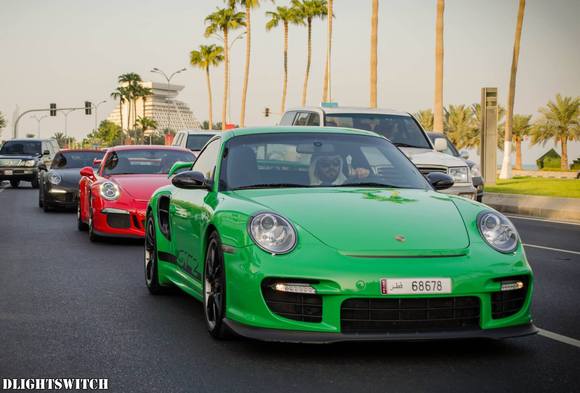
(473, 275)
(466, 190)
(65, 197)
(114, 220)
(18, 173)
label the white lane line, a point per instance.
(552, 249)
(541, 219)
(559, 337)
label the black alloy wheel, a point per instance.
(92, 235)
(151, 266)
(14, 183)
(214, 289)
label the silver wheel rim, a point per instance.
(149, 255)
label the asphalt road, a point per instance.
(71, 308)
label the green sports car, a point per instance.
(329, 234)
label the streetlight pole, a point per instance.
(96, 106)
(38, 120)
(66, 113)
(168, 79)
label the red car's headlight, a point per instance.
(110, 191)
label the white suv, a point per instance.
(402, 129)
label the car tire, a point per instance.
(81, 226)
(93, 237)
(214, 289)
(46, 207)
(34, 182)
(150, 259)
(40, 198)
(14, 183)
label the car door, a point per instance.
(190, 211)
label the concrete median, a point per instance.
(564, 209)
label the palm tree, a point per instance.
(60, 139)
(374, 42)
(506, 169)
(2, 120)
(521, 127)
(120, 93)
(308, 10)
(425, 118)
(133, 81)
(438, 115)
(144, 92)
(146, 123)
(560, 120)
(224, 20)
(326, 95)
(285, 15)
(459, 126)
(205, 57)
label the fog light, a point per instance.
(57, 191)
(511, 285)
(294, 288)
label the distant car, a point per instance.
(113, 200)
(476, 177)
(193, 140)
(20, 159)
(59, 185)
(401, 128)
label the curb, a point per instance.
(563, 209)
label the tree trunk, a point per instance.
(285, 82)
(209, 98)
(564, 160)
(226, 79)
(518, 165)
(121, 114)
(438, 108)
(247, 66)
(374, 36)
(308, 60)
(506, 172)
(326, 95)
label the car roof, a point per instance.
(82, 150)
(294, 130)
(147, 147)
(199, 131)
(350, 109)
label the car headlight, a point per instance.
(29, 163)
(54, 178)
(272, 233)
(459, 174)
(497, 231)
(110, 191)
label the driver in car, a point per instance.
(328, 170)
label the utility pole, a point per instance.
(96, 108)
(38, 120)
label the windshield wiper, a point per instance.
(401, 144)
(269, 185)
(367, 184)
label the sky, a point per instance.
(71, 51)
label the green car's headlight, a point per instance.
(54, 178)
(110, 191)
(497, 231)
(272, 233)
(460, 174)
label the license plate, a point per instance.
(8, 172)
(410, 286)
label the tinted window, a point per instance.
(207, 159)
(451, 150)
(402, 131)
(197, 142)
(315, 160)
(301, 119)
(287, 119)
(314, 119)
(75, 159)
(21, 148)
(143, 161)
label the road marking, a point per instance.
(540, 219)
(552, 249)
(559, 337)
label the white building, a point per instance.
(162, 106)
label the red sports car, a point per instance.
(112, 201)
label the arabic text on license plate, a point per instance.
(8, 172)
(409, 286)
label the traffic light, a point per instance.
(88, 107)
(53, 109)
(266, 112)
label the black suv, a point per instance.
(21, 159)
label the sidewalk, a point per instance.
(563, 209)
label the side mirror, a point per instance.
(440, 144)
(464, 154)
(88, 172)
(178, 167)
(46, 153)
(190, 180)
(97, 161)
(440, 181)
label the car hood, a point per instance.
(371, 222)
(140, 187)
(69, 176)
(428, 157)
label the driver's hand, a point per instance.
(360, 173)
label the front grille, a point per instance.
(136, 222)
(8, 162)
(506, 303)
(296, 306)
(116, 220)
(409, 314)
(425, 170)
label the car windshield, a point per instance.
(26, 148)
(315, 160)
(451, 150)
(403, 131)
(143, 161)
(197, 142)
(75, 159)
